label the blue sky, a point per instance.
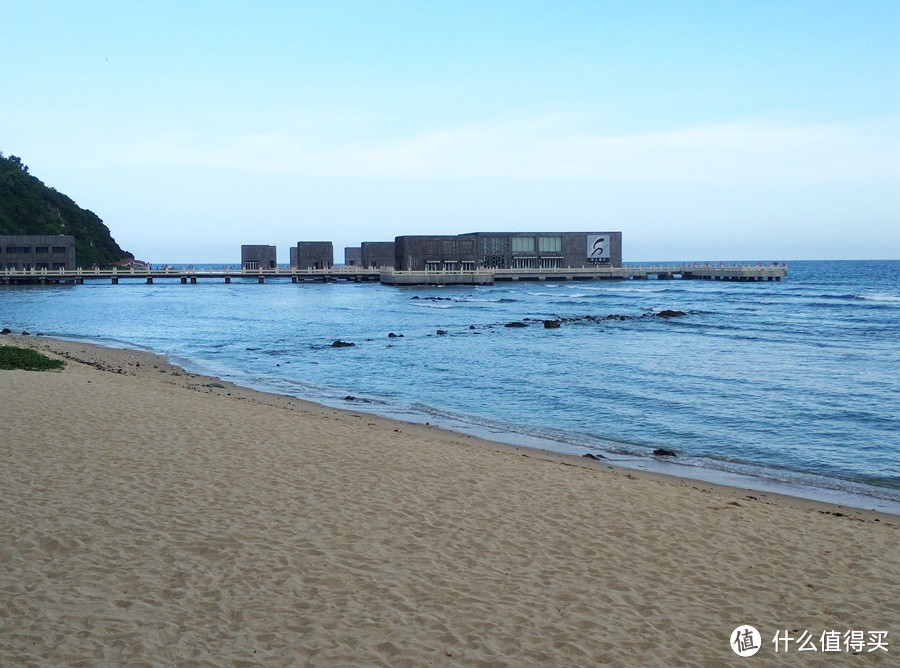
(701, 130)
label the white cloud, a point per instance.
(555, 147)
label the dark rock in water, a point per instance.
(471, 326)
(590, 456)
(26, 333)
(551, 324)
(670, 314)
(342, 344)
(416, 297)
(6, 330)
(441, 332)
(515, 324)
(395, 336)
(662, 452)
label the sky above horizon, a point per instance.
(723, 130)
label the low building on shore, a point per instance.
(37, 251)
(132, 263)
(258, 257)
(508, 250)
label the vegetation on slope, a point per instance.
(27, 206)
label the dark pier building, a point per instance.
(353, 256)
(377, 254)
(258, 257)
(504, 250)
(312, 255)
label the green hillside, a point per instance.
(27, 206)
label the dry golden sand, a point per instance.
(147, 518)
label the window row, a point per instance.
(24, 250)
(545, 244)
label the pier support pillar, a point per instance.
(149, 280)
(193, 280)
(261, 279)
(184, 280)
(115, 280)
(228, 279)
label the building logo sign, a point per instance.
(598, 247)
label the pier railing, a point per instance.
(185, 274)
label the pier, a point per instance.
(710, 272)
(769, 272)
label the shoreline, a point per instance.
(128, 361)
(752, 479)
(149, 514)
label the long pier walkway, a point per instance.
(354, 274)
(720, 272)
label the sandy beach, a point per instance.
(150, 516)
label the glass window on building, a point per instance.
(42, 249)
(523, 244)
(550, 244)
(495, 245)
(551, 263)
(524, 263)
(432, 266)
(59, 249)
(468, 266)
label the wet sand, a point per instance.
(149, 516)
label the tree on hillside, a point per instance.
(17, 161)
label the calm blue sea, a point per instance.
(793, 383)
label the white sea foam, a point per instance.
(880, 298)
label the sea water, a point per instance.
(794, 383)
